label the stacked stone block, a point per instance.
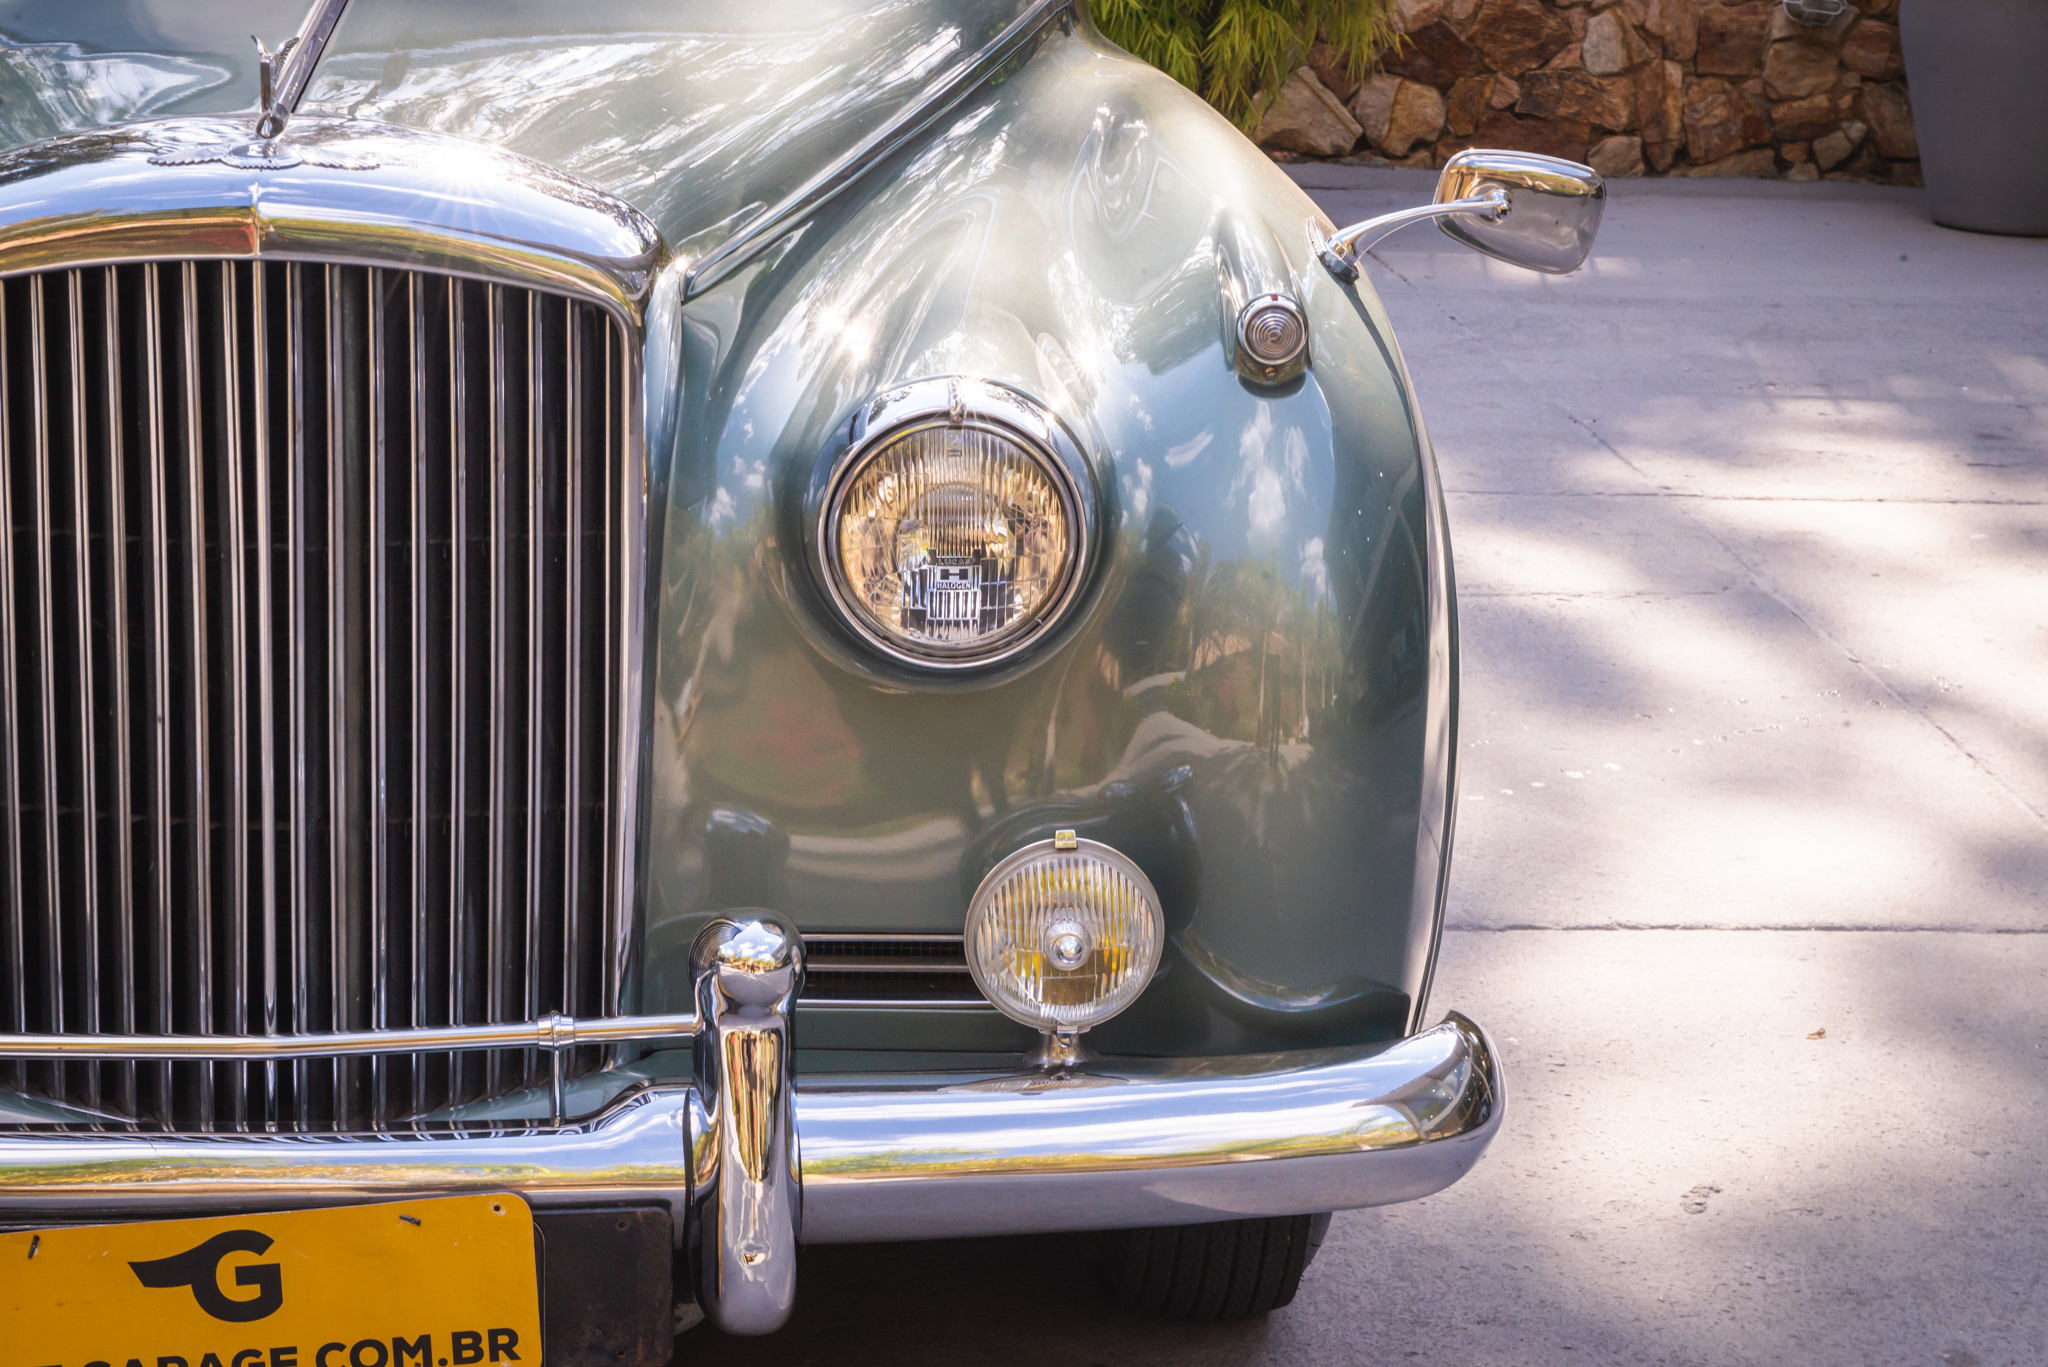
(1630, 87)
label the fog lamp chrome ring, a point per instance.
(1064, 934)
(956, 525)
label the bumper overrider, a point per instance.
(751, 1161)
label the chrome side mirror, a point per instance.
(1527, 210)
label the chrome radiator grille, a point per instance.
(311, 652)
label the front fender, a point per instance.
(1255, 697)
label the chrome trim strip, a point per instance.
(980, 1005)
(634, 1152)
(548, 1032)
(937, 99)
(883, 937)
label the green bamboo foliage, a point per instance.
(1238, 53)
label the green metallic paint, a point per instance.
(1242, 703)
(1256, 696)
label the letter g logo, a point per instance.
(199, 1268)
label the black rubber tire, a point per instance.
(1208, 1273)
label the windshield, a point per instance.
(699, 113)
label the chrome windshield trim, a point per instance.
(937, 99)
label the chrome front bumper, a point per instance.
(1123, 1143)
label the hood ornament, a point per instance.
(281, 79)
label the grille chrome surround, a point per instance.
(388, 363)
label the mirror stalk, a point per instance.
(1340, 254)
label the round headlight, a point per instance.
(1064, 934)
(952, 538)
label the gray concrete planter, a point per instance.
(1980, 106)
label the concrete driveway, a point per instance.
(1751, 525)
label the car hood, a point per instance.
(701, 114)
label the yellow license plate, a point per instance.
(438, 1283)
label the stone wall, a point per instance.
(1630, 87)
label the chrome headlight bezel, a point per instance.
(959, 402)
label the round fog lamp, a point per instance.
(1064, 934)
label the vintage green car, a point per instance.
(723, 625)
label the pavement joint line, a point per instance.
(1844, 928)
(1601, 595)
(1743, 498)
(1395, 272)
(1764, 583)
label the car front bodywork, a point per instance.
(1253, 695)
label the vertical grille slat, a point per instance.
(499, 952)
(45, 591)
(13, 933)
(80, 691)
(342, 817)
(459, 437)
(577, 412)
(297, 575)
(266, 682)
(234, 555)
(312, 677)
(119, 684)
(379, 606)
(163, 810)
(198, 814)
(536, 676)
(617, 675)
